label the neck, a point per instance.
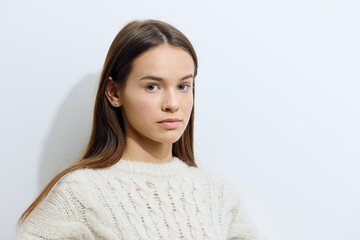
(146, 150)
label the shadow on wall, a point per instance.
(69, 134)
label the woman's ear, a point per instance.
(112, 92)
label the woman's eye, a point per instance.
(151, 87)
(183, 87)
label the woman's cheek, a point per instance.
(144, 108)
(189, 105)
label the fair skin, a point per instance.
(146, 102)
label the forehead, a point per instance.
(163, 60)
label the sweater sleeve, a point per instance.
(242, 226)
(58, 216)
(238, 223)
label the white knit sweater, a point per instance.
(139, 200)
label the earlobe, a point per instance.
(112, 92)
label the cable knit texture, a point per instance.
(140, 200)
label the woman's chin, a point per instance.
(170, 139)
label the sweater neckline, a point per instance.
(147, 169)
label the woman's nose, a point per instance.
(170, 101)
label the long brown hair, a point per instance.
(107, 141)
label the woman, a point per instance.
(138, 178)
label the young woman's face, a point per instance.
(157, 98)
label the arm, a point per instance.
(241, 226)
(58, 216)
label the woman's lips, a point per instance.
(170, 123)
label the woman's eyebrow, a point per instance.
(161, 79)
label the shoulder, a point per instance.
(223, 187)
(76, 185)
(75, 178)
(84, 176)
(216, 178)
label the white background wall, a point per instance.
(277, 101)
